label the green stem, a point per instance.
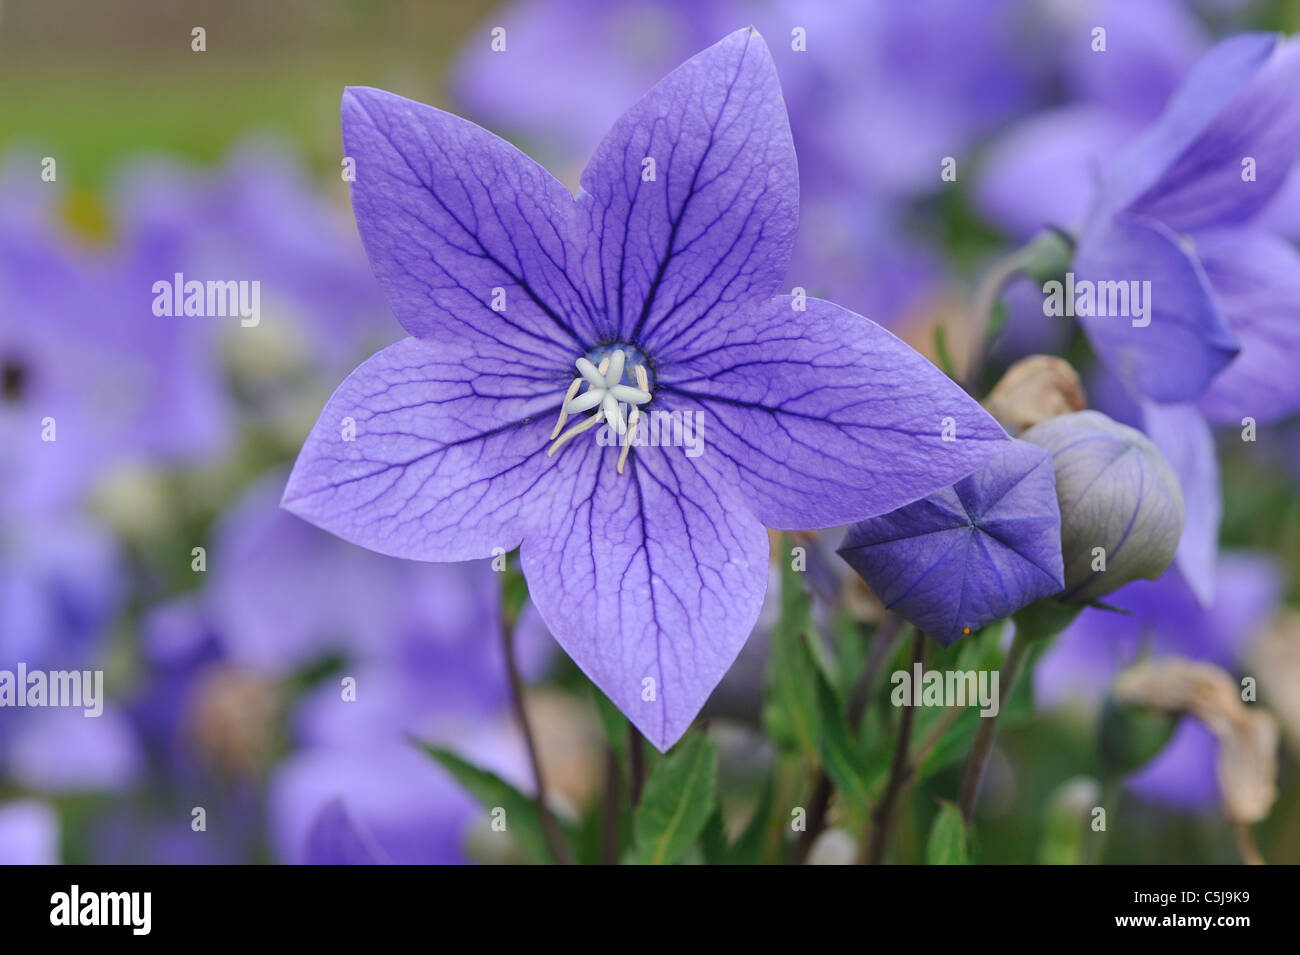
(550, 826)
(982, 747)
(611, 809)
(636, 765)
(882, 817)
(1045, 254)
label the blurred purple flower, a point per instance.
(126, 385)
(422, 643)
(878, 95)
(257, 217)
(286, 595)
(1214, 159)
(29, 833)
(61, 583)
(336, 838)
(61, 750)
(971, 554)
(667, 275)
(1161, 618)
(385, 802)
(1183, 774)
(60, 575)
(1043, 170)
(1176, 206)
(356, 789)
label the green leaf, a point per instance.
(851, 652)
(839, 752)
(953, 745)
(492, 792)
(947, 844)
(749, 845)
(713, 841)
(677, 802)
(1065, 829)
(791, 712)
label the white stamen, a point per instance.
(633, 419)
(586, 425)
(564, 408)
(604, 396)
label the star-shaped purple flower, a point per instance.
(647, 307)
(969, 554)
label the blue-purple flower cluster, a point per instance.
(631, 408)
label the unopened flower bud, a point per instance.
(1121, 505)
(1033, 390)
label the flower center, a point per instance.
(614, 375)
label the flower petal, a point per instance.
(1183, 774)
(1185, 342)
(447, 445)
(1256, 281)
(693, 197)
(1044, 168)
(825, 416)
(336, 838)
(971, 554)
(1183, 436)
(1238, 103)
(651, 580)
(468, 236)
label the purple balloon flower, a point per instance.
(1215, 158)
(1043, 169)
(657, 284)
(1185, 206)
(970, 554)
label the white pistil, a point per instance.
(605, 392)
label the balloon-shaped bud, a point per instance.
(1121, 505)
